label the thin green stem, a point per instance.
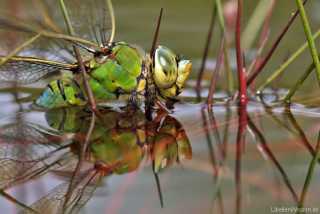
(113, 21)
(311, 42)
(230, 78)
(66, 17)
(220, 15)
(18, 24)
(73, 39)
(229, 74)
(255, 23)
(44, 11)
(257, 57)
(288, 62)
(298, 84)
(274, 47)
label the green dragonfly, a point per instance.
(32, 150)
(36, 45)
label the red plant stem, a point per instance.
(205, 54)
(274, 47)
(149, 100)
(156, 34)
(264, 34)
(241, 69)
(266, 25)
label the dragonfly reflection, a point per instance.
(118, 144)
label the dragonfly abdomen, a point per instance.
(61, 93)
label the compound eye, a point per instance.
(184, 70)
(165, 71)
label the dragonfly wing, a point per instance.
(91, 20)
(63, 199)
(21, 22)
(28, 70)
(27, 152)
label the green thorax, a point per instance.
(118, 73)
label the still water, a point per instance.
(187, 162)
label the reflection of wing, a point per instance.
(27, 70)
(27, 152)
(63, 200)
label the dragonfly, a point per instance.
(115, 148)
(36, 45)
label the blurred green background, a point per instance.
(185, 25)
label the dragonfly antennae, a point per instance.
(91, 50)
(156, 34)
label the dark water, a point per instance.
(208, 171)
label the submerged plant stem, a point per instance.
(270, 156)
(17, 203)
(310, 173)
(311, 42)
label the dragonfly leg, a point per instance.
(163, 107)
(133, 100)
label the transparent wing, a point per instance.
(91, 19)
(21, 21)
(62, 199)
(27, 70)
(27, 152)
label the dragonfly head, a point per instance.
(170, 72)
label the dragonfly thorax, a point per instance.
(117, 72)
